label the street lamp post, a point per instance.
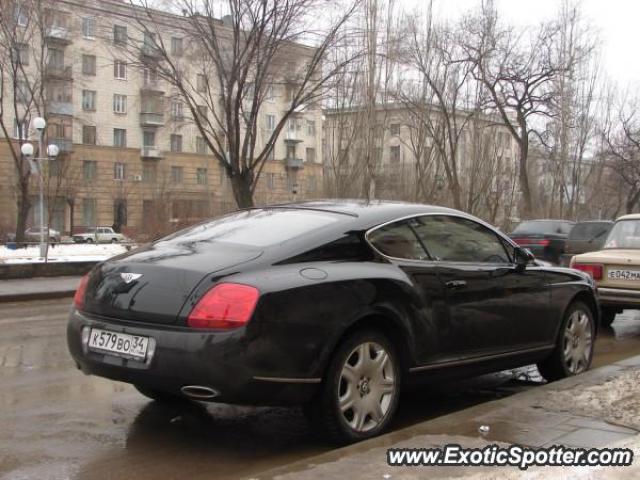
(40, 124)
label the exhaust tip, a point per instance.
(199, 392)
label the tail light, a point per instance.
(532, 241)
(78, 298)
(594, 270)
(225, 306)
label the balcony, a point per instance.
(60, 108)
(64, 144)
(59, 36)
(59, 72)
(151, 87)
(150, 152)
(151, 119)
(293, 163)
(292, 136)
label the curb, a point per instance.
(25, 297)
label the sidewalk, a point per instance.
(596, 409)
(37, 288)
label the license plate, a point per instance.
(119, 344)
(619, 274)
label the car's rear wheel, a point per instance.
(574, 347)
(159, 395)
(114, 240)
(89, 240)
(608, 315)
(360, 392)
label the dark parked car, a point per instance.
(586, 237)
(546, 239)
(329, 305)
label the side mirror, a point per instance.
(523, 258)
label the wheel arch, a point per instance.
(588, 299)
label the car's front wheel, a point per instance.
(574, 346)
(360, 392)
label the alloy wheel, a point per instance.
(367, 386)
(578, 342)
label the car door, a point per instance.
(400, 244)
(483, 287)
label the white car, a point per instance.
(99, 235)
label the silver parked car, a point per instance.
(99, 235)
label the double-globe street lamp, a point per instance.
(40, 124)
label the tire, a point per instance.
(574, 346)
(159, 395)
(608, 315)
(89, 240)
(372, 387)
(114, 240)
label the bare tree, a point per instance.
(23, 60)
(230, 67)
(518, 69)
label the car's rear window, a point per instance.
(589, 230)
(257, 228)
(543, 227)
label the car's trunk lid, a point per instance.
(152, 284)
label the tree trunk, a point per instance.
(24, 207)
(523, 175)
(72, 209)
(241, 184)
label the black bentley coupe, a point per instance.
(329, 305)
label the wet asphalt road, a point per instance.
(56, 423)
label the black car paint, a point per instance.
(502, 318)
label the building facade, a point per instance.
(131, 154)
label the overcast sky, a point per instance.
(617, 23)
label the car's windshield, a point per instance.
(624, 234)
(257, 228)
(589, 230)
(543, 227)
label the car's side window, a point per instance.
(457, 239)
(398, 240)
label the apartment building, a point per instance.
(131, 154)
(406, 163)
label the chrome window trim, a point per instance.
(442, 214)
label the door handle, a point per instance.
(454, 284)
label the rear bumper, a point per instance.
(619, 297)
(221, 361)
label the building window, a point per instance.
(201, 83)
(119, 137)
(177, 173)
(203, 112)
(395, 154)
(222, 174)
(89, 170)
(120, 70)
(89, 100)
(201, 146)
(56, 167)
(118, 171)
(119, 103)
(89, 27)
(56, 59)
(149, 172)
(270, 96)
(176, 143)
(311, 183)
(177, 111)
(148, 138)
(176, 46)
(201, 176)
(21, 129)
(271, 181)
(120, 212)
(89, 134)
(23, 92)
(89, 208)
(22, 17)
(22, 54)
(271, 122)
(150, 76)
(311, 155)
(311, 128)
(395, 129)
(88, 64)
(120, 36)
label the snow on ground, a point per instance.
(62, 253)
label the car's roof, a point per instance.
(593, 221)
(548, 220)
(631, 216)
(369, 210)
